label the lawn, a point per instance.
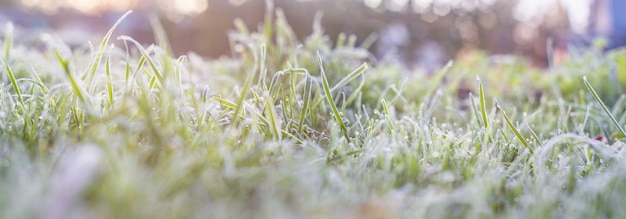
(316, 128)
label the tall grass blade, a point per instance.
(8, 41)
(13, 81)
(73, 83)
(387, 118)
(308, 87)
(95, 63)
(354, 74)
(516, 131)
(245, 89)
(107, 66)
(274, 122)
(606, 110)
(483, 107)
(145, 56)
(329, 98)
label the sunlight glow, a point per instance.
(372, 3)
(578, 13)
(190, 7)
(397, 5)
(421, 6)
(528, 11)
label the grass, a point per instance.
(323, 133)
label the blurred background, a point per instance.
(422, 33)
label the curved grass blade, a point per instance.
(75, 86)
(354, 74)
(13, 81)
(107, 66)
(145, 56)
(308, 87)
(95, 63)
(517, 133)
(483, 107)
(471, 97)
(387, 118)
(329, 98)
(244, 91)
(356, 93)
(8, 41)
(597, 98)
(274, 122)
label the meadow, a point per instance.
(315, 128)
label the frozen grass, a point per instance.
(289, 129)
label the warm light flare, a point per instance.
(190, 7)
(528, 11)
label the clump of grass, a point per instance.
(287, 128)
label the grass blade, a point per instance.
(95, 63)
(483, 107)
(329, 98)
(246, 88)
(597, 98)
(354, 74)
(516, 131)
(107, 66)
(145, 56)
(75, 86)
(13, 81)
(274, 123)
(387, 118)
(474, 109)
(308, 86)
(8, 41)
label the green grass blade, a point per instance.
(387, 118)
(107, 66)
(274, 122)
(308, 87)
(516, 131)
(474, 109)
(354, 74)
(261, 80)
(356, 92)
(274, 83)
(13, 81)
(245, 89)
(43, 88)
(329, 98)
(8, 41)
(341, 40)
(351, 41)
(224, 102)
(483, 107)
(606, 110)
(145, 56)
(73, 83)
(95, 63)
